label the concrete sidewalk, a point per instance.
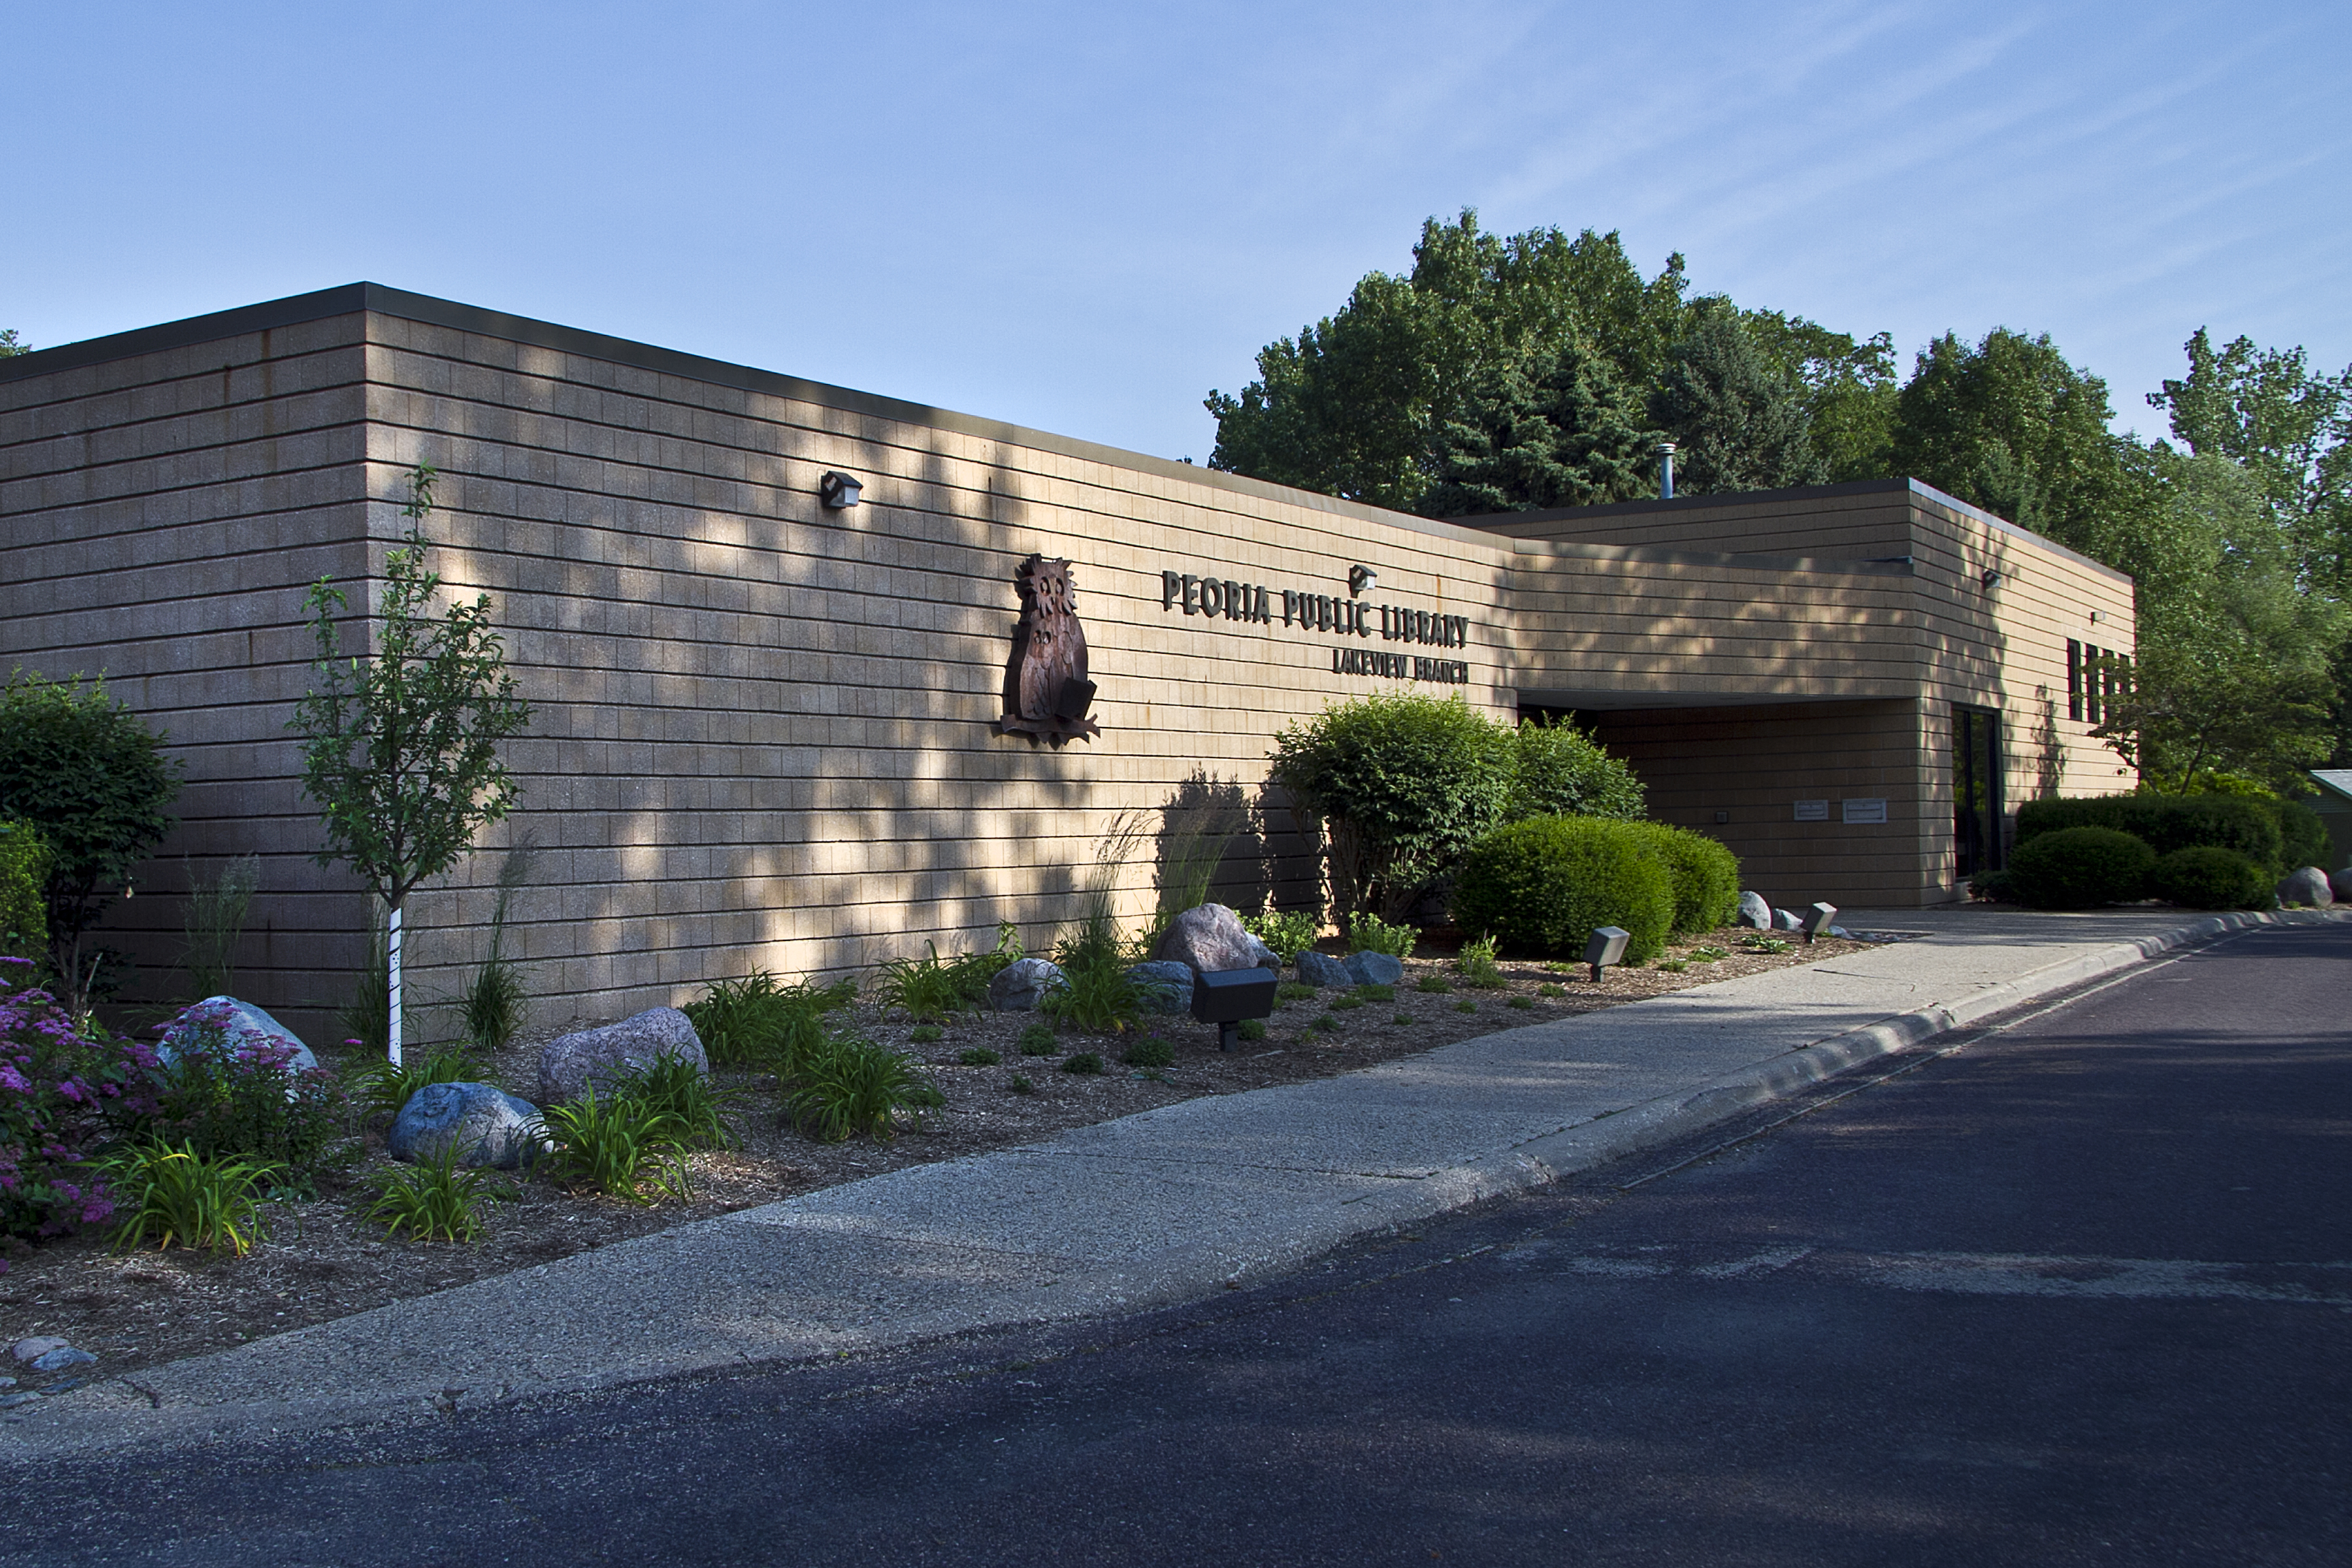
(1150, 1210)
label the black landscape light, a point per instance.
(839, 490)
(1226, 996)
(1817, 921)
(1606, 946)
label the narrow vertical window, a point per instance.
(2091, 683)
(2074, 680)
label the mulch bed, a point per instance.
(322, 1259)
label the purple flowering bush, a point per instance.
(221, 1090)
(62, 1093)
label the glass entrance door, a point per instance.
(1976, 790)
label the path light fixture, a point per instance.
(1817, 921)
(1607, 946)
(1226, 996)
(839, 490)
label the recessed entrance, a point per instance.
(1976, 790)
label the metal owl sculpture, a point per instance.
(1047, 692)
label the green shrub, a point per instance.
(978, 1057)
(758, 1021)
(1038, 1040)
(1291, 990)
(1544, 884)
(926, 989)
(1367, 933)
(1395, 788)
(435, 1201)
(2163, 823)
(1476, 964)
(673, 1086)
(854, 1087)
(24, 869)
(1522, 1003)
(1437, 984)
(1251, 1028)
(235, 1096)
(1150, 1051)
(1373, 991)
(1562, 772)
(1021, 1084)
(1706, 875)
(620, 1146)
(2208, 878)
(1329, 1023)
(2303, 836)
(1465, 1006)
(924, 1034)
(1549, 989)
(1346, 1003)
(1084, 1063)
(1287, 934)
(170, 1194)
(1402, 1018)
(2077, 867)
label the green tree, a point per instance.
(11, 344)
(1575, 437)
(1396, 789)
(1848, 387)
(92, 778)
(1737, 418)
(401, 748)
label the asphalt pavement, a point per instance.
(2077, 1288)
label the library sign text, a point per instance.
(1311, 613)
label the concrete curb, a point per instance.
(119, 1412)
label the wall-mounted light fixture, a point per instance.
(839, 490)
(1990, 578)
(1360, 580)
(2095, 617)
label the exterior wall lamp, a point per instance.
(1990, 578)
(838, 491)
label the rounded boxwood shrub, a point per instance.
(2205, 878)
(2164, 823)
(1543, 886)
(1705, 874)
(2075, 868)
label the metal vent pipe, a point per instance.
(1666, 470)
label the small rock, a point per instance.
(487, 1126)
(1020, 985)
(1754, 912)
(8, 1383)
(61, 1358)
(1784, 920)
(1210, 940)
(1322, 969)
(10, 1401)
(34, 1349)
(66, 1385)
(1373, 968)
(244, 1024)
(2340, 885)
(1841, 930)
(2308, 886)
(1167, 986)
(568, 1064)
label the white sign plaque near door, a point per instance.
(1865, 810)
(1812, 811)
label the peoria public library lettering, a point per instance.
(1351, 614)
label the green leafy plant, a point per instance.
(674, 1087)
(1522, 1003)
(91, 778)
(1560, 771)
(214, 921)
(1150, 1051)
(926, 989)
(1288, 935)
(24, 871)
(494, 1001)
(1021, 1084)
(759, 1022)
(222, 1093)
(439, 1200)
(1038, 1040)
(1251, 1028)
(978, 1057)
(1291, 990)
(1759, 942)
(1476, 964)
(2077, 867)
(617, 1145)
(1549, 989)
(854, 1088)
(1543, 885)
(401, 744)
(174, 1196)
(1708, 954)
(1402, 1018)
(1705, 876)
(2164, 823)
(1096, 994)
(1328, 1023)
(924, 1033)
(384, 1087)
(1435, 985)
(1374, 991)
(1674, 965)
(1465, 1006)
(2204, 878)
(1085, 1064)
(1346, 1003)
(1367, 933)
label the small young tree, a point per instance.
(401, 748)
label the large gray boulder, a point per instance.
(1210, 938)
(488, 1126)
(1754, 912)
(1020, 985)
(244, 1027)
(2308, 886)
(2342, 884)
(568, 1064)
(1373, 968)
(1322, 969)
(1166, 986)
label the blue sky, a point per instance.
(1082, 217)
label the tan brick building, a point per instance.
(767, 728)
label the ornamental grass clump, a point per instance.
(621, 1147)
(173, 1194)
(436, 1201)
(384, 1089)
(1543, 885)
(759, 1022)
(1477, 965)
(854, 1088)
(677, 1089)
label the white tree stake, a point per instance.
(392, 964)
